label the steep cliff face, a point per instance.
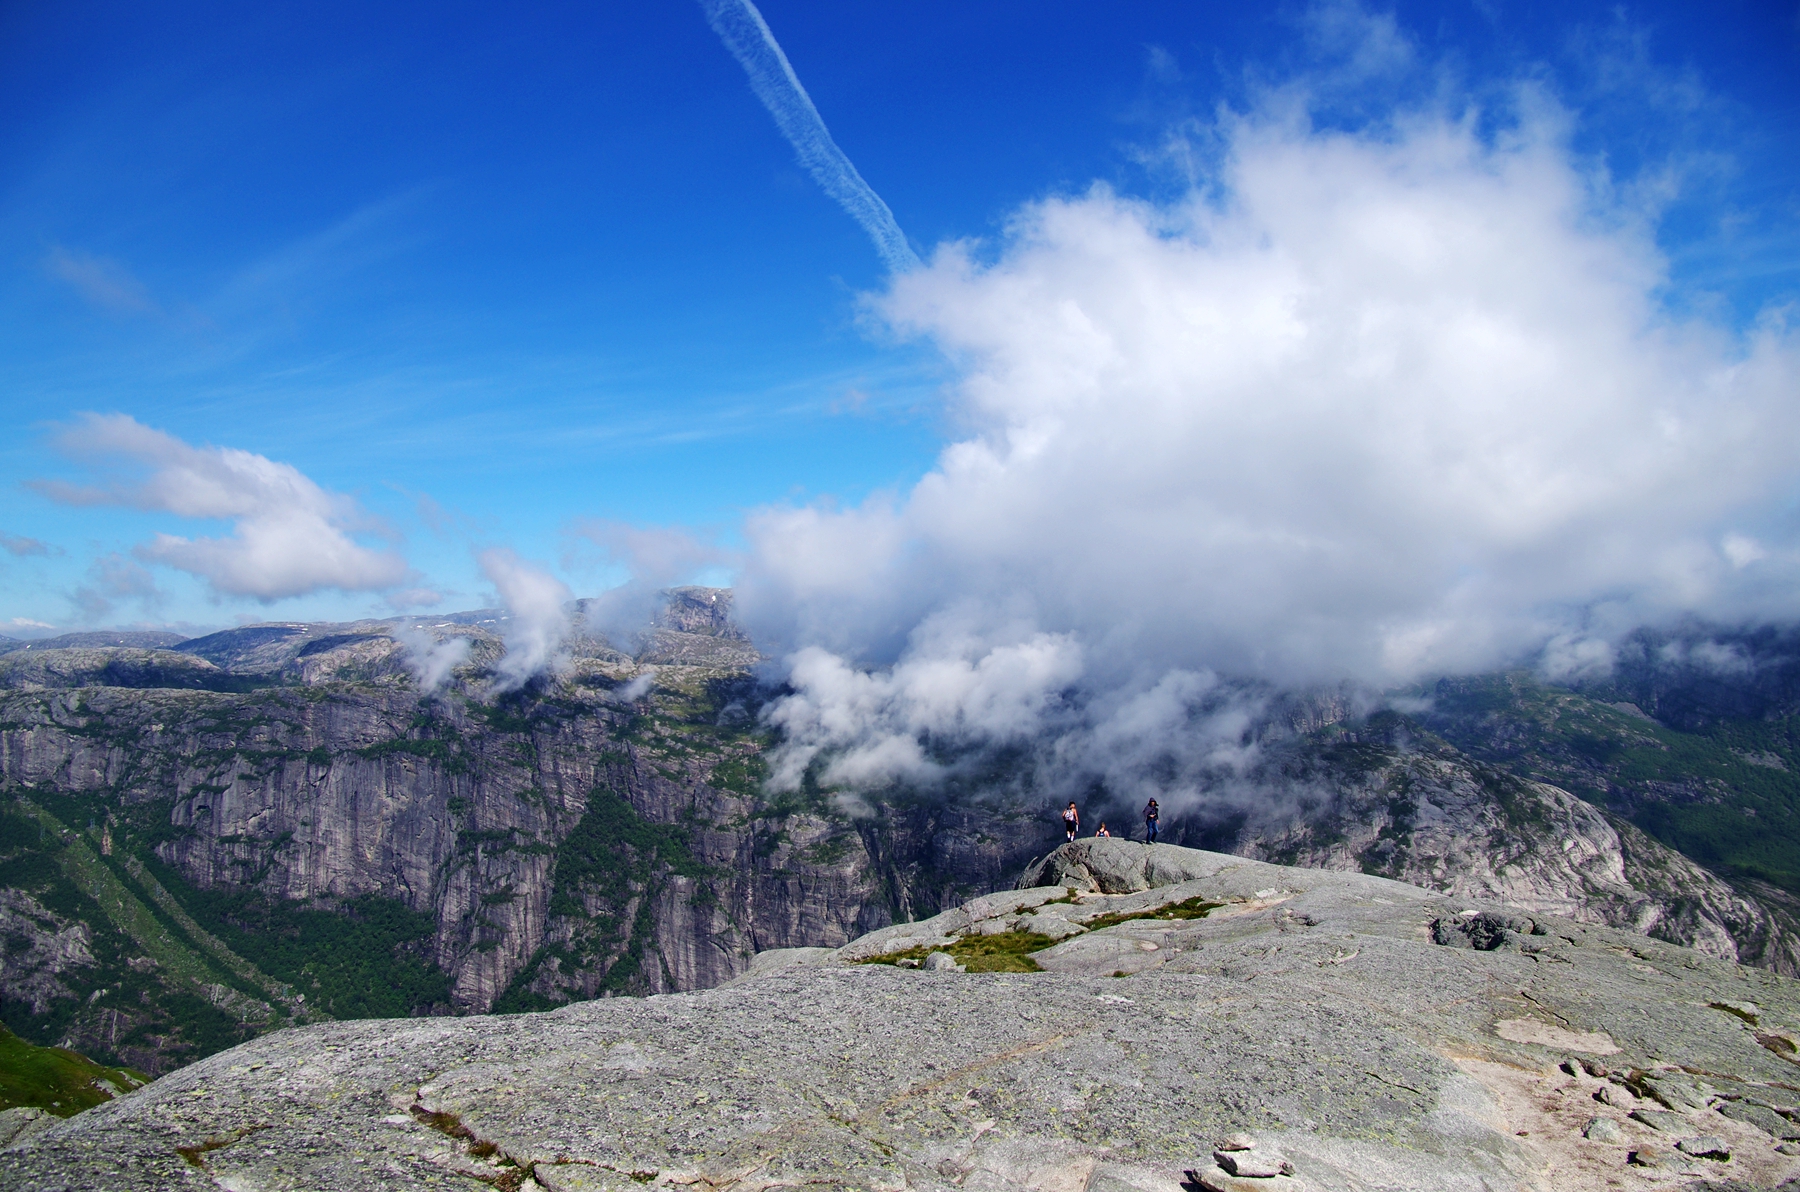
(557, 844)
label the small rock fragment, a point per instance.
(1602, 1130)
(1260, 1165)
(1663, 1120)
(1788, 1148)
(1705, 1146)
(1676, 1090)
(1595, 1069)
(1216, 1179)
(942, 962)
(1750, 1012)
(1657, 1159)
(1611, 1095)
(1235, 1142)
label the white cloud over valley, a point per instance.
(1370, 404)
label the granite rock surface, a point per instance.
(1310, 1018)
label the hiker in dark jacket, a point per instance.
(1150, 816)
(1071, 821)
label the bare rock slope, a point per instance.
(1439, 819)
(1197, 1020)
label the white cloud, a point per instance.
(637, 688)
(538, 616)
(289, 536)
(654, 558)
(1742, 550)
(431, 659)
(1714, 657)
(953, 685)
(1570, 657)
(1369, 404)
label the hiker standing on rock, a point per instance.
(1071, 821)
(1150, 816)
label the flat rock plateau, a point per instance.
(1194, 1019)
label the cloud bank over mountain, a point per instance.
(1372, 403)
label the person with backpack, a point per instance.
(1150, 818)
(1071, 820)
(1101, 831)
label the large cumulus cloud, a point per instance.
(1367, 404)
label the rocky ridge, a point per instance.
(1307, 1030)
(1420, 811)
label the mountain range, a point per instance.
(205, 839)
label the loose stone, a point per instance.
(1254, 1164)
(1663, 1120)
(1704, 1146)
(1760, 1116)
(1602, 1130)
(1215, 1179)
(1656, 1159)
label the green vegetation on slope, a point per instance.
(53, 1078)
(147, 993)
(1727, 796)
(367, 958)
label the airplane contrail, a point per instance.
(742, 28)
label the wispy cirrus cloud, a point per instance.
(741, 27)
(289, 536)
(113, 579)
(104, 282)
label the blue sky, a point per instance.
(487, 273)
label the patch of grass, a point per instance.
(52, 1078)
(1193, 908)
(1008, 952)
